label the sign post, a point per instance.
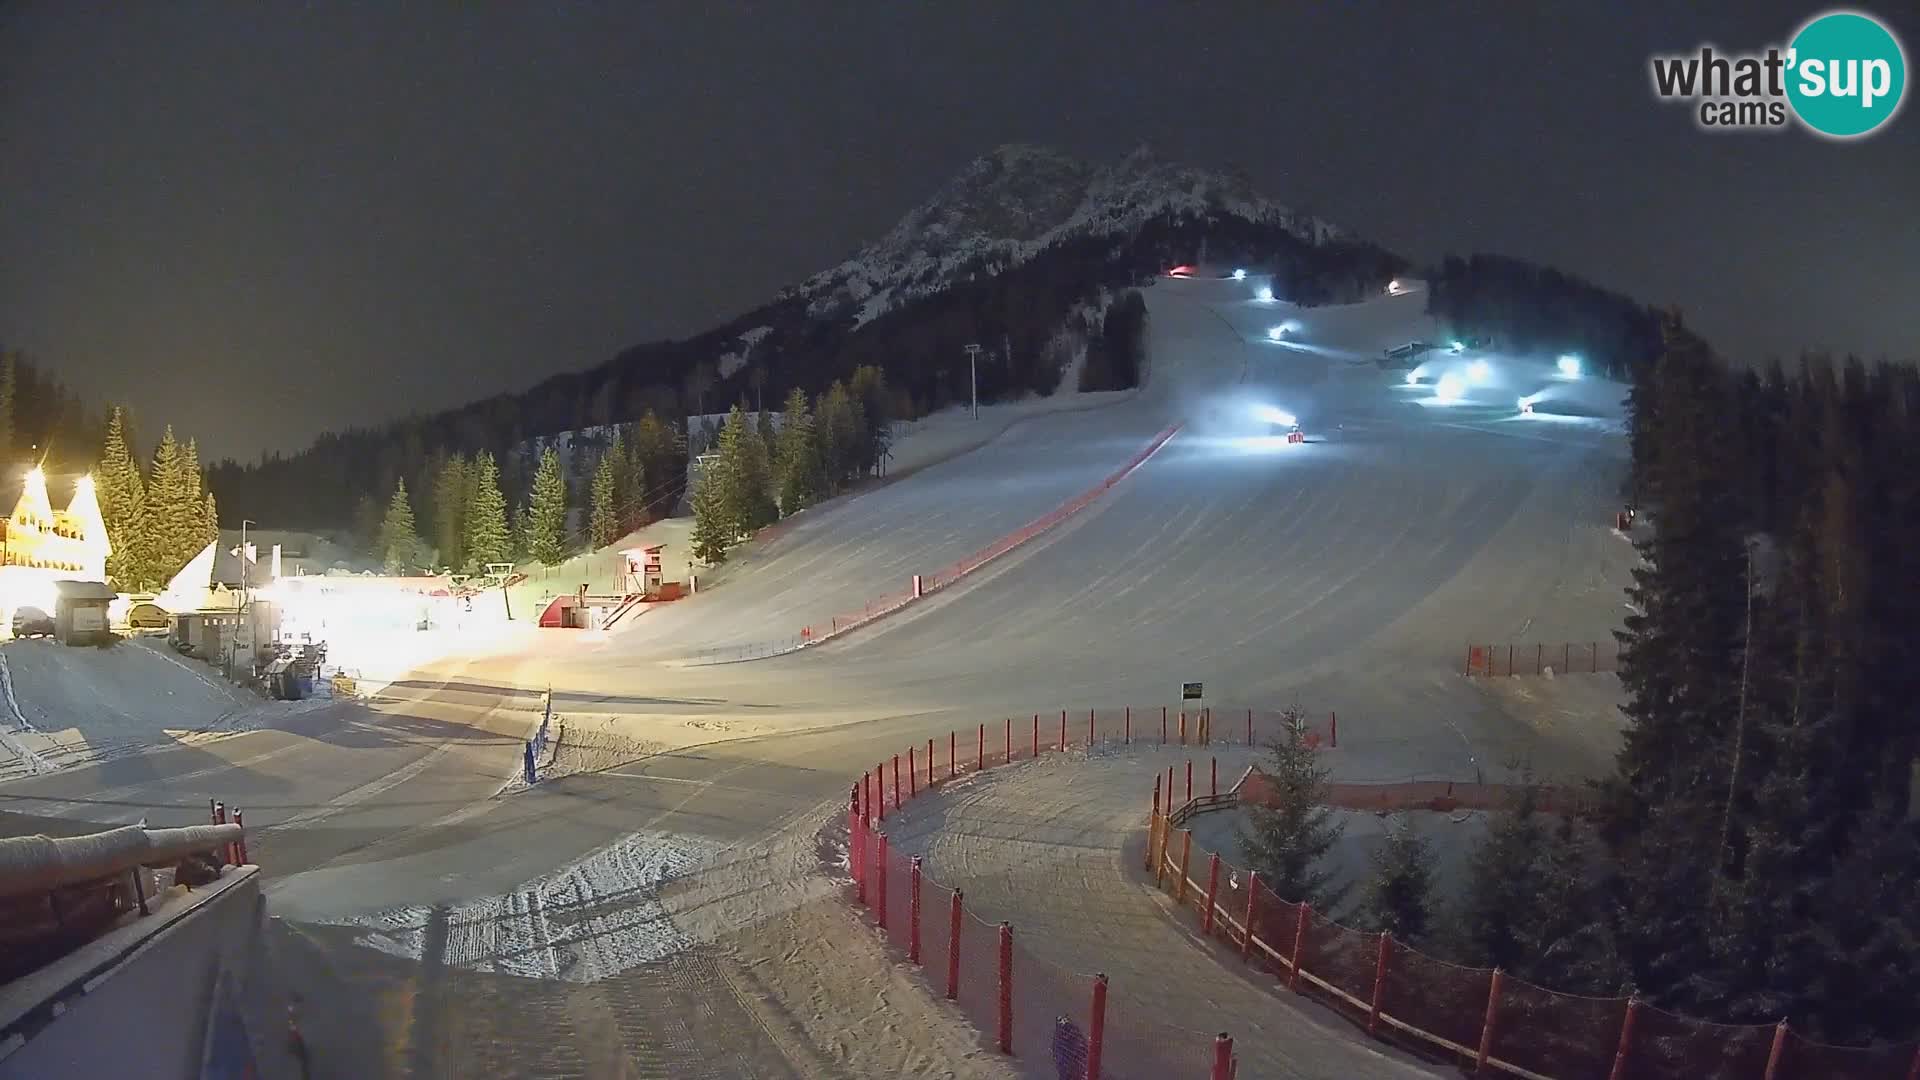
(1194, 692)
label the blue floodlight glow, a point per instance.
(1570, 366)
(1264, 294)
(1239, 275)
(1479, 371)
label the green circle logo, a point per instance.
(1847, 74)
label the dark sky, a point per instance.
(260, 220)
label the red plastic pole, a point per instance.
(1006, 988)
(1253, 893)
(1222, 1058)
(1163, 725)
(930, 757)
(880, 789)
(1299, 944)
(1089, 729)
(1213, 893)
(1183, 727)
(1487, 1026)
(953, 754)
(240, 845)
(1213, 784)
(1186, 860)
(896, 781)
(1009, 740)
(913, 911)
(211, 818)
(1379, 983)
(1778, 1053)
(1097, 1027)
(1063, 729)
(913, 774)
(1127, 736)
(1189, 780)
(1249, 727)
(953, 946)
(1566, 654)
(880, 881)
(1036, 734)
(980, 749)
(1626, 1043)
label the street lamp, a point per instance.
(973, 377)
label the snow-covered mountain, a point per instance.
(1014, 203)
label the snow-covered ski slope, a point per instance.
(1351, 570)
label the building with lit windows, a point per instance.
(40, 545)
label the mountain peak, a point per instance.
(1018, 199)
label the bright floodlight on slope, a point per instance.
(1239, 275)
(1526, 405)
(1450, 387)
(1264, 294)
(1456, 348)
(1393, 286)
(1275, 333)
(1276, 416)
(1413, 377)
(1570, 366)
(1479, 371)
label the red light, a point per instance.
(1181, 270)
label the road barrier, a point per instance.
(920, 586)
(1542, 658)
(1483, 1018)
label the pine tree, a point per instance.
(546, 514)
(1503, 887)
(399, 542)
(713, 532)
(752, 472)
(195, 483)
(1680, 664)
(1285, 842)
(210, 521)
(869, 390)
(452, 491)
(604, 526)
(837, 418)
(797, 455)
(487, 539)
(366, 525)
(622, 464)
(121, 492)
(174, 509)
(1399, 896)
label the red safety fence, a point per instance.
(1079, 1023)
(1487, 1019)
(921, 585)
(1539, 658)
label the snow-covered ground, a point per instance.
(64, 706)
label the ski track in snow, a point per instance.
(583, 923)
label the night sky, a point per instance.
(258, 221)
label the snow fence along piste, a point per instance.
(1024, 1006)
(924, 585)
(1482, 1018)
(1487, 1020)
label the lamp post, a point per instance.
(973, 377)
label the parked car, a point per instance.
(32, 622)
(146, 616)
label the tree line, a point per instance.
(41, 420)
(158, 517)
(637, 472)
(763, 469)
(1528, 308)
(1027, 318)
(1758, 856)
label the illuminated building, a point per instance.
(40, 545)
